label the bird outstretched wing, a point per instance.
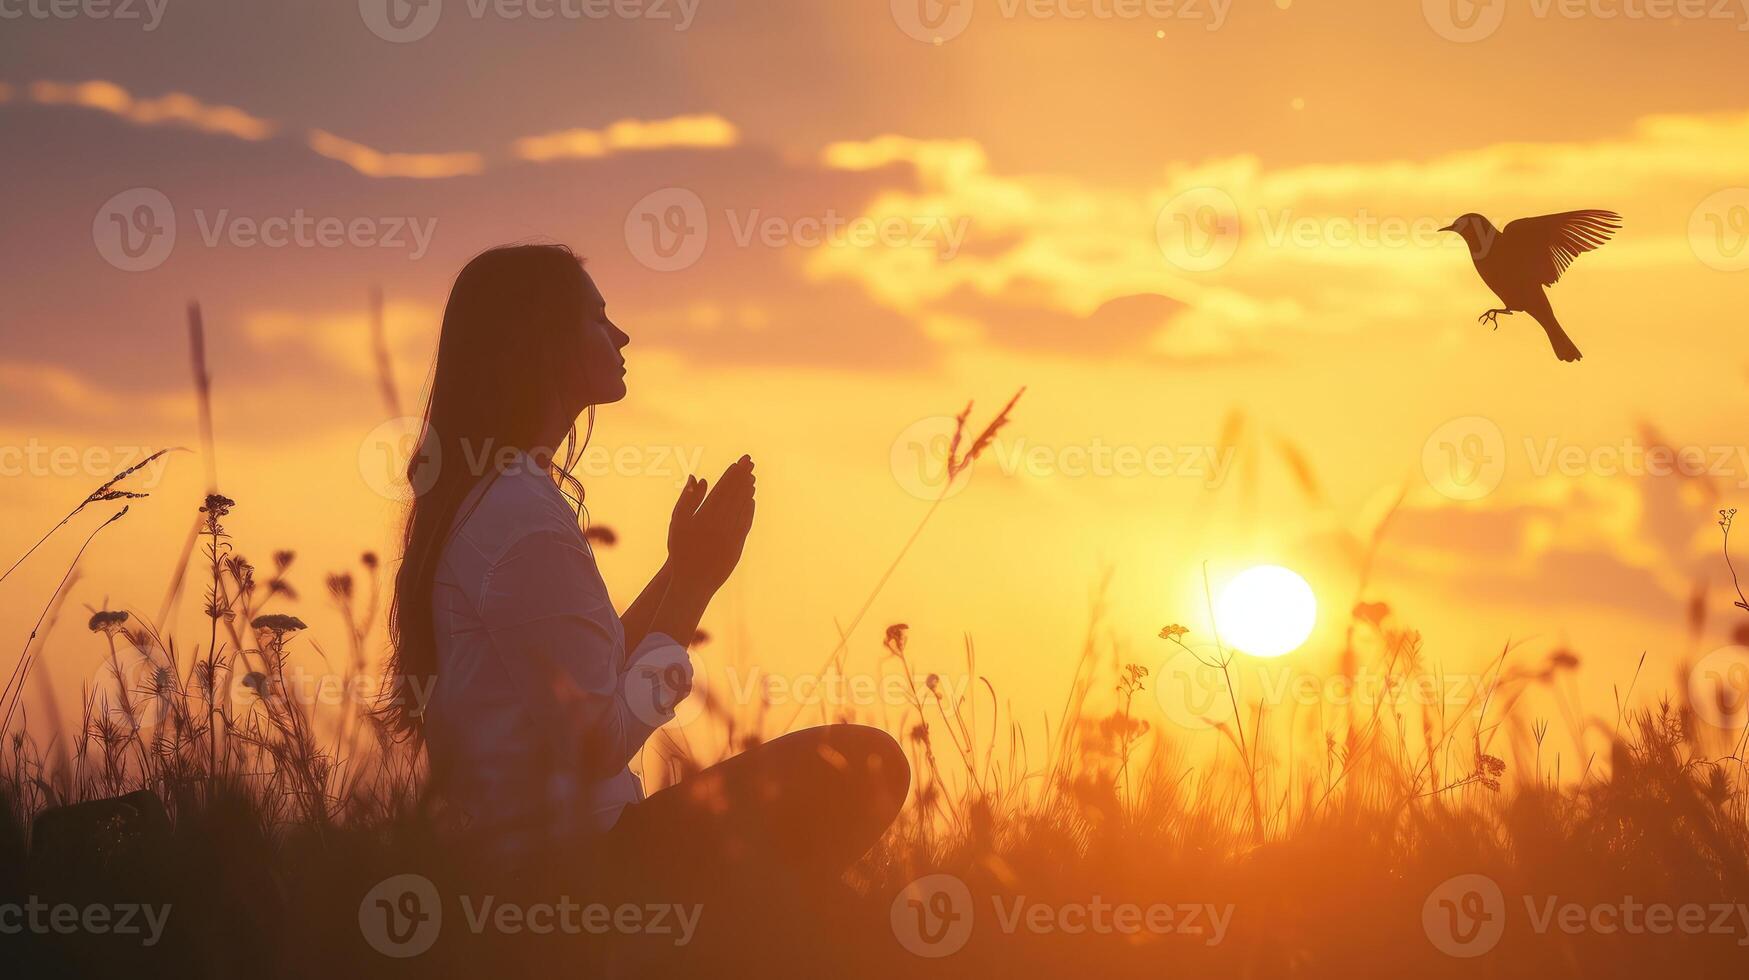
(1548, 243)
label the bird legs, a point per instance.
(1492, 317)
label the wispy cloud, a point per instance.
(376, 163)
(706, 131)
(174, 109)
(1313, 247)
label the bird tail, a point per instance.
(1563, 344)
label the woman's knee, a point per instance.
(875, 763)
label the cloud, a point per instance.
(1615, 540)
(174, 109)
(695, 131)
(1310, 249)
(38, 391)
(342, 338)
(375, 163)
(1115, 326)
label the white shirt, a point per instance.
(537, 711)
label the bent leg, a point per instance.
(795, 811)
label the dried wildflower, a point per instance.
(340, 586)
(896, 639)
(107, 621)
(1130, 679)
(1173, 632)
(278, 623)
(1371, 612)
(957, 463)
(601, 534)
(1489, 769)
(369, 560)
(242, 571)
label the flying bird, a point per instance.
(1516, 263)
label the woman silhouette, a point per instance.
(531, 695)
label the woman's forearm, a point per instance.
(636, 619)
(681, 608)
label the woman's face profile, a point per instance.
(600, 369)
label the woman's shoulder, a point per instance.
(514, 503)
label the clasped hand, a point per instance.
(710, 524)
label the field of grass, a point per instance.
(1387, 836)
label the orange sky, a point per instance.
(1009, 200)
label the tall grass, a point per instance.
(1325, 831)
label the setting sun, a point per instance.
(1266, 611)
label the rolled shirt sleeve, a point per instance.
(549, 616)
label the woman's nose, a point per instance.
(620, 337)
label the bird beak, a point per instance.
(1448, 228)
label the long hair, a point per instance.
(510, 338)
